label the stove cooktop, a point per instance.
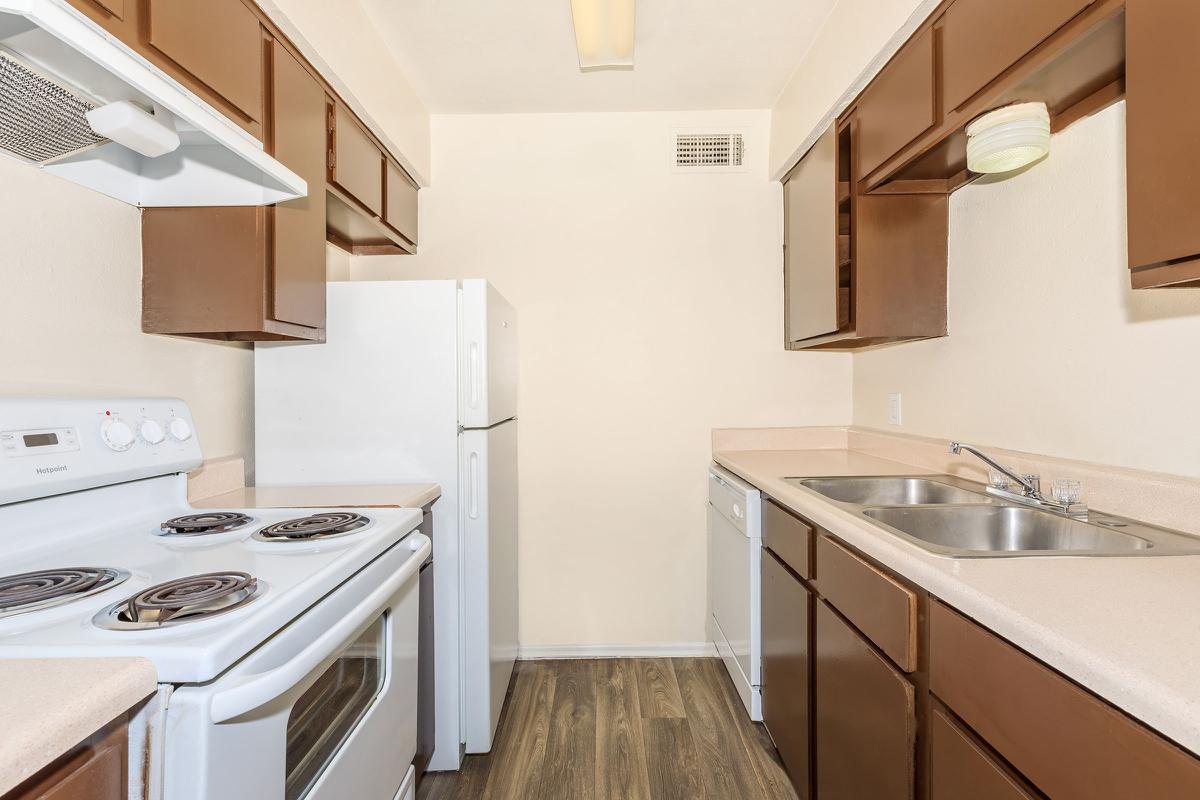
(246, 588)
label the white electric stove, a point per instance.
(284, 641)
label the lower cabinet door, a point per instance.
(786, 604)
(865, 717)
(958, 767)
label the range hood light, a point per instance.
(604, 32)
(1008, 138)
(150, 135)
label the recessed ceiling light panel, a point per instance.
(604, 32)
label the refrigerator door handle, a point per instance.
(473, 485)
(473, 379)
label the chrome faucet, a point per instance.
(1030, 483)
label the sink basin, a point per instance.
(889, 491)
(1005, 530)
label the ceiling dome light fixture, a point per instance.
(604, 33)
(1008, 138)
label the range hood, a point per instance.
(56, 66)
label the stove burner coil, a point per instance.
(182, 600)
(200, 524)
(31, 591)
(326, 525)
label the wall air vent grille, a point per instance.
(707, 151)
(40, 120)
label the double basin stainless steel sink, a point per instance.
(954, 517)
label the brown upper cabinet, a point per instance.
(254, 273)
(1162, 120)
(258, 273)
(899, 105)
(400, 201)
(983, 38)
(860, 270)
(371, 205)
(356, 162)
(298, 230)
(185, 31)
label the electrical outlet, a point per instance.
(894, 408)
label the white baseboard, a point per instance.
(535, 652)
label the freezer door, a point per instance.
(489, 550)
(488, 358)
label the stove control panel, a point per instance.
(50, 446)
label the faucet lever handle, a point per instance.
(1034, 480)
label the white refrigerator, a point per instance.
(417, 382)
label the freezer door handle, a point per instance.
(258, 690)
(473, 485)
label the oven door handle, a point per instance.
(261, 688)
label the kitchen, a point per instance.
(650, 343)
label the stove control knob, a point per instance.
(117, 435)
(152, 432)
(179, 429)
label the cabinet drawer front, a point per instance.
(899, 105)
(358, 163)
(866, 718)
(786, 606)
(789, 537)
(876, 603)
(983, 38)
(400, 202)
(959, 767)
(1067, 742)
(218, 42)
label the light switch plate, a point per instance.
(894, 416)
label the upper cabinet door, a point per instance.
(400, 202)
(1162, 120)
(983, 38)
(899, 104)
(811, 242)
(219, 43)
(357, 163)
(298, 125)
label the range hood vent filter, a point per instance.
(40, 120)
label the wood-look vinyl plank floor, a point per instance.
(620, 729)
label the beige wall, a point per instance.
(70, 310)
(650, 312)
(1049, 350)
(344, 43)
(856, 39)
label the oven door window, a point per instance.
(328, 712)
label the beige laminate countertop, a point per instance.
(50, 705)
(396, 495)
(1125, 628)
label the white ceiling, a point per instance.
(501, 56)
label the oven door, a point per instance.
(324, 710)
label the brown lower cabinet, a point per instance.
(968, 716)
(866, 724)
(96, 769)
(786, 668)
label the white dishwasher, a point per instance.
(734, 584)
